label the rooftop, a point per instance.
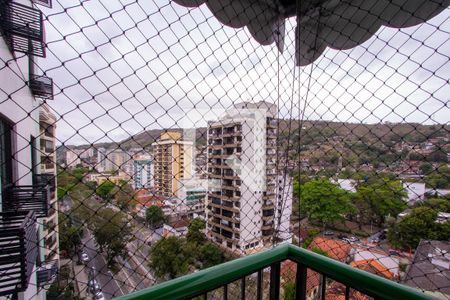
(430, 268)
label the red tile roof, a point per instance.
(373, 266)
(337, 250)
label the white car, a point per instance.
(99, 296)
(94, 286)
(84, 257)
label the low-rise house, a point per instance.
(416, 192)
(443, 217)
(335, 249)
(347, 184)
(177, 229)
(99, 178)
(388, 262)
(373, 266)
(431, 192)
(144, 199)
(430, 268)
(337, 290)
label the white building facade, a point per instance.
(21, 143)
(143, 172)
(242, 178)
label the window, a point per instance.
(6, 168)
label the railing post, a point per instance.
(225, 292)
(275, 281)
(243, 288)
(259, 285)
(323, 287)
(300, 282)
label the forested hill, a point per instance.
(313, 132)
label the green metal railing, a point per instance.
(220, 276)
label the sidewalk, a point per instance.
(81, 278)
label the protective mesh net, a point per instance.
(172, 142)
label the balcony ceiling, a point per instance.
(323, 23)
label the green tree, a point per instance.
(378, 198)
(289, 290)
(111, 233)
(210, 255)
(438, 156)
(69, 235)
(125, 197)
(154, 216)
(195, 233)
(169, 258)
(104, 190)
(419, 224)
(58, 292)
(426, 168)
(439, 179)
(324, 202)
(444, 232)
(439, 204)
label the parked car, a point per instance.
(342, 236)
(353, 239)
(99, 296)
(394, 252)
(328, 232)
(375, 240)
(84, 257)
(94, 286)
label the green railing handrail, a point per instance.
(215, 277)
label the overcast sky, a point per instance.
(121, 67)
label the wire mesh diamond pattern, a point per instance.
(174, 136)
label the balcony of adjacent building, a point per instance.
(48, 163)
(231, 185)
(228, 214)
(50, 225)
(227, 152)
(215, 153)
(215, 132)
(231, 131)
(47, 131)
(23, 28)
(25, 198)
(19, 250)
(230, 195)
(268, 213)
(47, 146)
(268, 204)
(41, 86)
(231, 175)
(232, 142)
(224, 225)
(50, 241)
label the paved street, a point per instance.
(109, 286)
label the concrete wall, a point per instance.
(251, 196)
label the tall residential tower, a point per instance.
(173, 162)
(242, 188)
